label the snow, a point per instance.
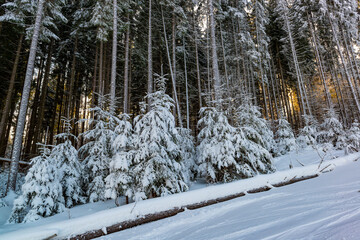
(322, 208)
(274, 203)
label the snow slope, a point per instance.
(95, 216)
(327, 207)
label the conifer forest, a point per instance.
(102, 99)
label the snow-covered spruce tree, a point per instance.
(216, 149)
(159, 168)
(307, 135)
(256, 128)
(187, 148)
(68, 167)
(284, 137)
(251, 157)
(119, 181)
(332, 130)
(353, 138)
(42, 194)
(98, 152)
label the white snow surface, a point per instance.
(303, 207)
(327, 207)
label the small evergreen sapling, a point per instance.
(307, 135)
(119, 181)
(41, 192)
(284, 137)
(97, 152)
(216, 149)
(255, 128)
(332, 131)
(187, 148)
(69, 167)
(353, 138)
(159, 167)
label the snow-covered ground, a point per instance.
(94, 216)
(327, 207)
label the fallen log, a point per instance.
(172, 212)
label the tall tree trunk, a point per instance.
(224, 61)
(345, 66)
(174, 56)
(186, 90)
(14, 166)
(5, 112)
(319, 62)
(126, 67)
(52, 125)
(171, 72)
(72, 80)
(215, 66)
(150, 70)
(38, 127)
(197, 67)
(113, 59)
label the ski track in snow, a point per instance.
(327, 207)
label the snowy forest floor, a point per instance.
(302, 210)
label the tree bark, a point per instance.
(113, 59)
(171, 72)
(126, 67)
(215, 66)
(14, 166)
(150, 70)
(5, 113)
(38, 127)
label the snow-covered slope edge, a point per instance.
(136, 211)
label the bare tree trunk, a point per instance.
(197, 67)
(345, 66)
(72, 80)
(126, 68)
(186, 90)
(52, 125)
(215, 66)
(43, 98)
(318, 58)
(101, 69)
(5, 113)
(114, 58)
(14, 166)
(174, 57)
(224, 56)
(171, 72)
(150, 70)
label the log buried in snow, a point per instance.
(172, 212)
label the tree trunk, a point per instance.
(113, 59)
(186, 90)
(72, 80)
(171, 72)
(38, 127)
(5, 113)
(126, 68)
(197, 67)
(14, 166)
(150, 73)
(217, 81)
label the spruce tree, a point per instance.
(216, 149)
(68, 167)
(98, 152)
(331, 130)
(120, 179)
(284, 137)
(159, 166)
(42, 193)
